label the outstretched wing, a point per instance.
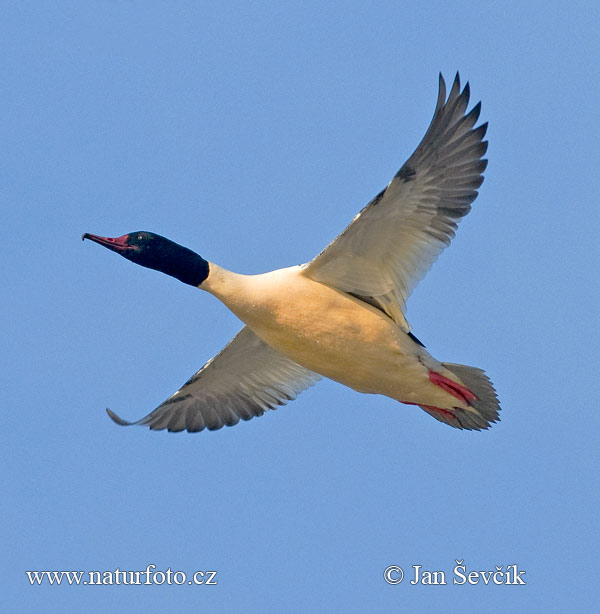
(394, 240)
(244, 380)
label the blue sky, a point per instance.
(253, 133)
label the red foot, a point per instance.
(439, 410)
(456, 390)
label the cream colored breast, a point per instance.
(323, 329)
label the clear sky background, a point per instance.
(253, 133)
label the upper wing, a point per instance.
(390, 245)
(244, 380)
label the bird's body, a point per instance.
(331, 333)
(342, 315)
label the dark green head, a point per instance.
(158, 253)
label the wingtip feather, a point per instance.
(467, 92)
(117, 419)
(441, 93)
(455, 87)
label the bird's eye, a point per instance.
(140, 237)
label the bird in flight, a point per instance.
(342, 315)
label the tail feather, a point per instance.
(484, 409)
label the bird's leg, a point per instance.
(456, 390)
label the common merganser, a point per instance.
(342, 315)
